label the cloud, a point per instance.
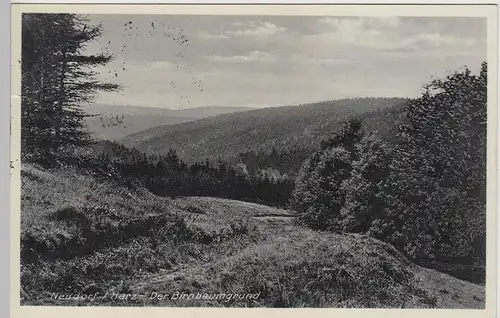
(212, 36)
(243, 29)
(284, 60)
(374, 23)
(160, 64)
(392, 22)
(436, 40)
(256, 28)
(254, 56)
(381, 34)
(331, 61)
(355, 32)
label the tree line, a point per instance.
(167, 175)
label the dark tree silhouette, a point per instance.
(57, 79)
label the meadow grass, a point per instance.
(79, 235)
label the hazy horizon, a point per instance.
(182, 61)
(236, 106)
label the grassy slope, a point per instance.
(301, 126)
(118, 240)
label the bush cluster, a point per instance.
(423, 192)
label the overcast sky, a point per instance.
(189, 61)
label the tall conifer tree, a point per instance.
(57, 80)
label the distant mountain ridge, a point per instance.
(227, 136)
(113, 122)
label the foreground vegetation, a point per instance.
(80, 235)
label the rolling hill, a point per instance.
(295, 129)
(83, 236)
(112, 122)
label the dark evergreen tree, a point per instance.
(57, 79)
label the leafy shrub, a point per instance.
(436, 193)
(318, 196)
(433, 222)
(364, 190)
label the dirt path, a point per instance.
(274, 217)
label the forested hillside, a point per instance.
(384, 123)
(293, 131)
(112, 122)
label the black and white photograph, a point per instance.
(254, 160)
